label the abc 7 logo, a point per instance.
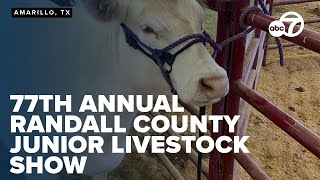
(277, 28)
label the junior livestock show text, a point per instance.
(50, 129)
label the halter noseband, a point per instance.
(162, 56)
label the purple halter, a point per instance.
(162, 56)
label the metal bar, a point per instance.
(170, 167)
(244, 119)
(217, 5)
(251, 58)
(311, 21)
(261, 50)
(275, 46)
(296, 130)
(193, 156)
(260, 56)
(175, 174)
(249, 38)
(236, 61)
(281, 3)
(223, 32)
(308, 38)
(250, 166)
(245, 108)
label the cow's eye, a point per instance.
(148, 29)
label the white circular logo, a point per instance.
(277, 28)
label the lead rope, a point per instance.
(200, 155)
(278, 41)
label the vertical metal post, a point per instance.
(237, 54)
(232, 59)
(223, 32)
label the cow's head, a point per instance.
(197, 78)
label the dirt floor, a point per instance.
(295, 88)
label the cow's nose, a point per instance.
(214, 87)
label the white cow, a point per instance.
(88, 54)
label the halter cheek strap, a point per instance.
(165, 57)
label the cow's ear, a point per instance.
(106, 10)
